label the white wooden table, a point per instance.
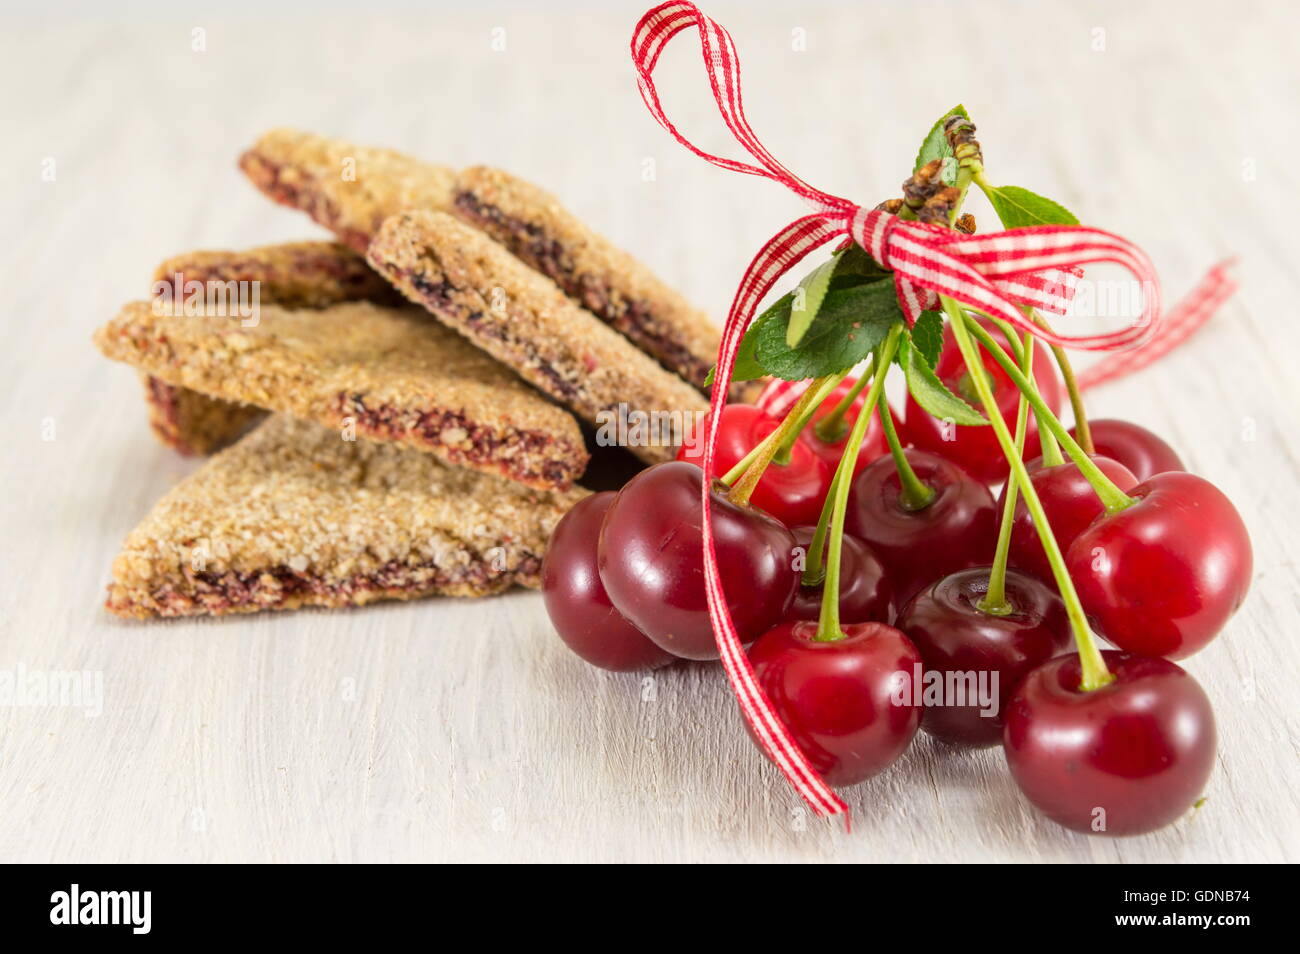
(464, 730)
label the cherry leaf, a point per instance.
(1019, 208)
(808, 298)
(930, 392)
(935, 146)
(852, 321)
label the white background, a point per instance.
(463, 730)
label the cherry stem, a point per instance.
(1095, 673)
(1112, 498)
(814, 573)
(828, 624)
(995, 601)
(795, 420)
(1083, 433)
(915, 493)
(832, 428)
(1051, 450)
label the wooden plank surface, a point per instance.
(463, 730)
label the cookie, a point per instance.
(523, 319)
(293, 515)
(387, 373)
(347, 188)
(604, 279)
(293, 274)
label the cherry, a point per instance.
(847, 702)
(1070, 503)
(651, 560)
(1124, 759)
(873, 445)
(1162, 576)
(954, 531)
(576, 601)
(976, 448)
(865, 591)
(1141, 451)
(955, 636)
(792, 490)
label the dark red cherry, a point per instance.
(651, 560)
(1070, 503)
(954, 531)
(866, 595)
(1124, 759)
(848, 703)
(1142, 452)
(976, 448)
(1160, 578)
(981, 657)
(873, 444)
(791, 490)
(576, 601)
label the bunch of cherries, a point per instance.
(856, 553)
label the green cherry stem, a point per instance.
(1082, 431)
(832, 428)
(794, 422)
(994, 602)
(814, 573)
(916, 494)
(1095, 674)
(1112, 498)
(1051, 449)
(828, 624)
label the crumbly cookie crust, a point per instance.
(191, 423)
(293, 274)
(347, 188)
(523, 319)
(604, 279)
(392, 374)
(293, 515)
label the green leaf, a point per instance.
(1018, 208)
(856, 262)
(850, 323)
(927, 336)
(746, 367)
(930, 392)
(935, 146)
(808, 297)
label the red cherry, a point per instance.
(792, 491)
(976, 448)
(848, 703)
(1124, 759)
(954, 531)
(866, 595)
(1070, 503)
(955, 637)
(1161, 577)
(576, 601)
(651, 560)
(1141, 451)
(873, 444)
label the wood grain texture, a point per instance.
(463, 730)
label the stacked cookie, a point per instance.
(399, 413)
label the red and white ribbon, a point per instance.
(995, 273)
(1176, 326)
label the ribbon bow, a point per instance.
(995, 273)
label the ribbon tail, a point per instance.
(1179, 324)
(772, 261)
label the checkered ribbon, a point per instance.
(995, 274)
(1176, 326)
